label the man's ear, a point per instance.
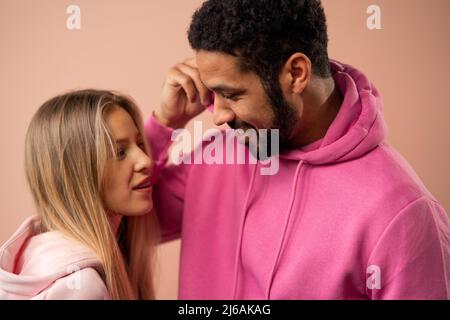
(296, 73)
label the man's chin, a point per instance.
(255, 149)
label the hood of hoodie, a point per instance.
(31, 261)
(359, 125)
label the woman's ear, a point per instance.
(296, 73)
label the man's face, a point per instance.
(240, 99)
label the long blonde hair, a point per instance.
(66, 148)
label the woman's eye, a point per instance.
(121, 153)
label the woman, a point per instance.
(88, 167)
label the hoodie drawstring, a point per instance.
(241, 230)
(286, 224)
(283, 234)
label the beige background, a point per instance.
(129, 45)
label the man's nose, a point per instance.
(222, 113)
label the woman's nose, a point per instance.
(143, 162)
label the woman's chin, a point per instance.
(148, 208)
(142, 210)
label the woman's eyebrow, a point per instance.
(126, 140)
(122, 140)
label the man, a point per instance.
(345, 216)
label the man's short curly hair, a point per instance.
(263, 34)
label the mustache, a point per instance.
(239, 124)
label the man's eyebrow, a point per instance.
(225, 88)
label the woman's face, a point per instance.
(127, 186)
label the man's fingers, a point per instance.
(176, 78)
(195, 76)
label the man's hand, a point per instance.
(183, 96)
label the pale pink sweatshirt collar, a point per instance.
(43, 257)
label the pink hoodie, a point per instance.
(48, 265)
(345, 217)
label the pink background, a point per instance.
(129, 45)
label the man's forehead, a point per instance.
(216, 62)
(219, 69)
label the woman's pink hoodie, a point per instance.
(344, 218)
(36, 265)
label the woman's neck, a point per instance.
(115, 220)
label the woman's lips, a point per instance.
(144, 186)
(144, 189)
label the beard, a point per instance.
(285, 115)
(284, 121)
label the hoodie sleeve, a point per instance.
(85, 284)
(411, 259)
(168, 192)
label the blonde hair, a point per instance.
(66, 148)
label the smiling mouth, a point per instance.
(144, 185)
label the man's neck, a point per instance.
(322, 104)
